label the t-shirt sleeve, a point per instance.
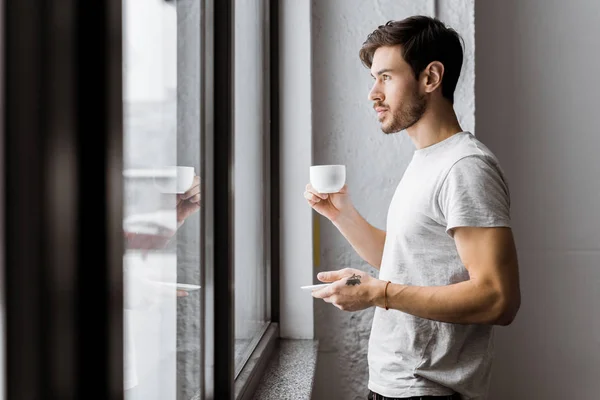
(474, 193)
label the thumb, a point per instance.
(330, 276)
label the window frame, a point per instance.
(228, 383)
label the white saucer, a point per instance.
(313, 287)
(180, 286)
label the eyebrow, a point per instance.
(382, 71)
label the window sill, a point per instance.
(278, 369)
(290, 372)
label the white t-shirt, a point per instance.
(456, 182)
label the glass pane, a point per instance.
(162, 269)
(251, 189)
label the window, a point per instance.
(251, 188)
(149, 245)
(244, 190)
(170, 287)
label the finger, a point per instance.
(332, 300)
(326, 292)
(311, 197)
(184, 210)
(331, 276)
(195, 199)
(322, 196)
(194, 189)
(182, 293)
(321, 293)
(325, 297)
(191, 192)
(312, 190)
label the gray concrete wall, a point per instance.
(346, 131)
(537, 91)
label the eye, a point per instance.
(386, 77)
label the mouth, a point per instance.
(380, 111)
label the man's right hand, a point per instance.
(330, 205)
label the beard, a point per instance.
(410, 113)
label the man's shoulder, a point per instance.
(468, 144)
(471, 151)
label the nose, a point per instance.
(376, 94)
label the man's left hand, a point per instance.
(351, 290)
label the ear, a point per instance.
(431, 77)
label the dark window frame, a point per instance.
(227, 385)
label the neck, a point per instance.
(438, 123)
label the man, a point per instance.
(447, 261)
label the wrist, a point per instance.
(378, 293)
(344, 216)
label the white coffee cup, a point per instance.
(328, 178)
(174, 179)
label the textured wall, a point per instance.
(346, 131)
(460, 15)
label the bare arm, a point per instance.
(490, 296)
(367, 240)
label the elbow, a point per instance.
(506, 309)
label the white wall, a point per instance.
(296, 157)
(537, 88)
(346, 131)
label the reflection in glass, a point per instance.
(163, 293)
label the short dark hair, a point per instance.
(422, 40)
